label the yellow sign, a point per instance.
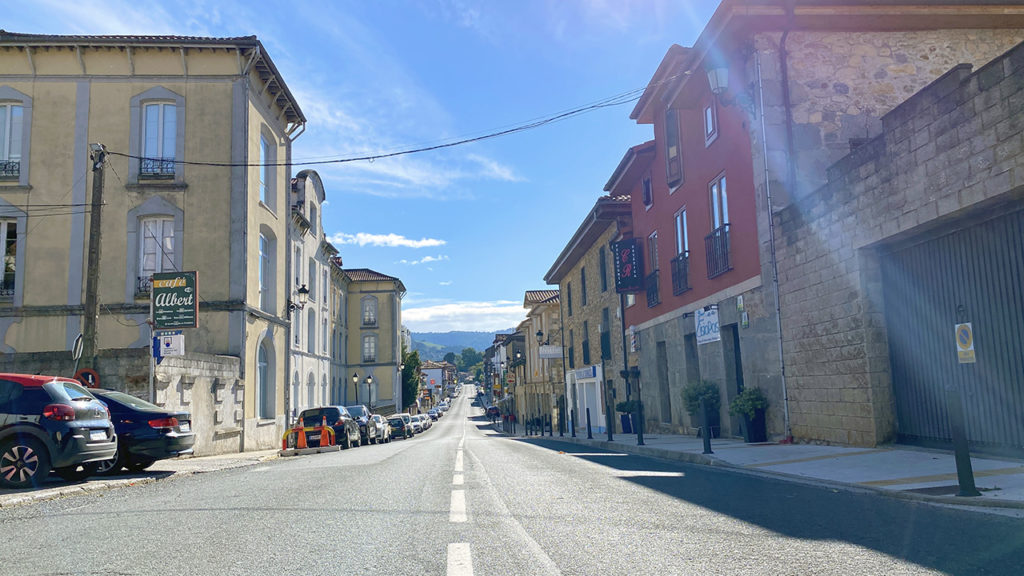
(965, 343)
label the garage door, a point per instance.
(974, 275)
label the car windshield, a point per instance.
(70, 390)
(356, 411)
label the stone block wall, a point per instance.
(953, 149)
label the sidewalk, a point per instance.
(55, 487)
(900, 471)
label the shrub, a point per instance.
(748, 402)
(628, 406)
(706, 390)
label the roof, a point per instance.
(644, 151)
(31, 379)
(534, 297)
(262, 63)
(670, 70)
(367, 275)
(607, 211)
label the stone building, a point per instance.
(540, 394)
(591, 313)
(909, 253)
(160, 105)
(374, 339)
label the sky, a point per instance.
(469, 228)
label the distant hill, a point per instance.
(434, 345)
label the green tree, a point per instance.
(450, 358)
(469, 358)
(479, 375)
(410, 376)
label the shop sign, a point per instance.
(629, 266)
(707, 326)
(175, 300)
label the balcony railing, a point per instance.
(143, 286)
(10, 169)
(651, 283)
(680, 273)
(156, 168)
(586, 352)
(367, 359)
(7, 290)
(369, 322)
(716, 245)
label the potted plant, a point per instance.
(707, 391)
(751, 404)
(628, 408)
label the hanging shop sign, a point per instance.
(707, 326)
(629, 266)
(550, 352)
(175, 300)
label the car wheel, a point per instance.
(24, 462)
(112, 466)
(77, 473)
(139, 465)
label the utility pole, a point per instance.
(99, 158)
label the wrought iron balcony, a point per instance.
(10, 169)
(7, 290)
(716, 246)
(368, 359)
(652, 285)
(156, 168)
(680, 273)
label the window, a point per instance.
(606, 335)
(648, 196)
(719, 204)
(324, 285)
(585, 344)
(311, 331)
(583, 286)
(12, 124)
(264, 168)
(323, 332)
(568, 295)
(297, 264)
(9, 248)
(157, 137)
(682, 242)
(159, 141)
(710, 123)
(369, 304)
(297, 328)
(630, 300)
(312, 280)
(156, 251)
(603, 263)
(673, 155)
(651, 281)
(572, 349)
(680, 263)
(265, 397)
(264, 272)
(312, 219)
(369, 348)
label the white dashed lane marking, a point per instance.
(458, 507)
(460, 560)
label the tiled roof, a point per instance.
(538, 296)
(550, 300)
(29, 39)
(367, 275)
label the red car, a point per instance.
(493, 412)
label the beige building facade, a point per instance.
(374, 339)
(180, 119)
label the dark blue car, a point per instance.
(145, 432)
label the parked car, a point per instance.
(383, 428)
(346, 430)
(417, 424)
(493, 412)
(401, 427)
(434, 414)
(49, 423)
(367, 426)
(145, 432)
(425, 421)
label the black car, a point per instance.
(399, 428)
(50, 423)
(367, 426)
(145, 432)
(346, 430)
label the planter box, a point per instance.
(755, 429)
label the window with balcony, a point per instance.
(154, 232)
(156, 251)
(680, 263)
(9, 248)
(673, 154)
(369, 348)
(157, 138)
(716, 244)
(652, 287)
(12, 125)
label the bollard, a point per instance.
(561, 422)
(572, 422)
(608, 424)
(705, 429)
(589, 435)
(961, 450)
(640, 423)
(551, 426)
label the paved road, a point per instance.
(462, 500)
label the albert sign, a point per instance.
(175, 300)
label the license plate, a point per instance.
(97, 435)
(313, 437)
(184, 427)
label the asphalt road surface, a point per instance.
(460, 499)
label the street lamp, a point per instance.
(369, 396)
(540, 337)
(355, 385)
(303, 297)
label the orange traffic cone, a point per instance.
(325, 438)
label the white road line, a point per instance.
(458, 479)
(458, 509)
(460, 560)
(458, 461)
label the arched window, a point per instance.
(310, 390)
(311, 331)
(369, 304)
(265, 396)
(267, 269)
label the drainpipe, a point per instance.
(774, 261)
(787, 104)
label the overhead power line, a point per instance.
(617, 100)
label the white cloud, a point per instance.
(474, 316)
(424, 260)
(386, 240)
(445, 283)
(493, 170)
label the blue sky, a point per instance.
(468, 229)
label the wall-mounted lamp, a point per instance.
(540, 337)
(303, 297)
(718, 81)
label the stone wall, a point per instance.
(949, 151)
